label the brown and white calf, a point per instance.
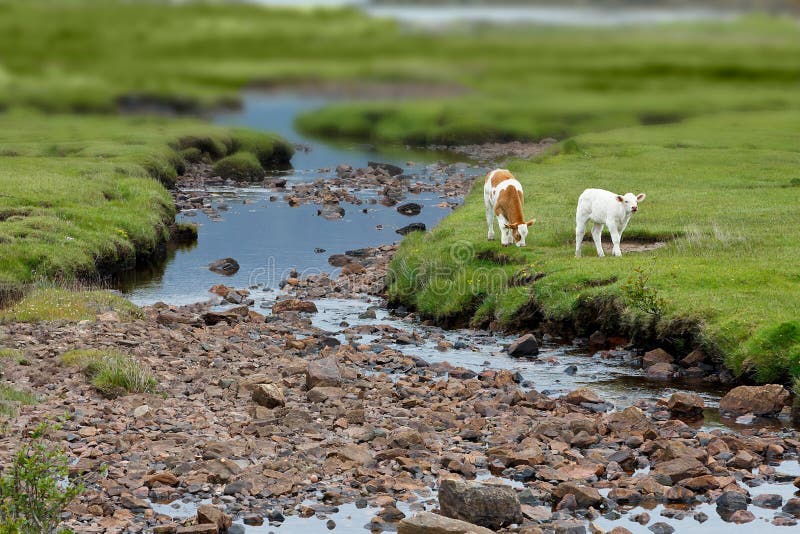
(502, 196)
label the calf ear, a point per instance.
(511, 226)
(530, 223)
(640, 197)
(620, 199)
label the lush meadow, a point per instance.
(703, 117)
(722, 192)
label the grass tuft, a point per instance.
(56, 304)
(11, 398)
(241, 166)
(111, 372)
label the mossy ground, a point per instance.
(80, 195)
(719, 192)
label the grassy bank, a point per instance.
(721, 190)
(521, 83)
(83, 195)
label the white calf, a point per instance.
(502, 196)
(604, 208)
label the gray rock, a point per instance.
(430, 523)
(225, 266)
(491, 506)
(323, 372)
(524, 346)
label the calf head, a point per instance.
(630, 202)
(519, 231)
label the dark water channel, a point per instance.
(269, 238)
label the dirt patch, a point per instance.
(495, 152)
(362, 89)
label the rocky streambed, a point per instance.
(291, 400)
(270, 420)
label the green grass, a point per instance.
(719, 189)
(57, 304)
(524, 82)
(111, 372)
(11, 398)
(81, 194)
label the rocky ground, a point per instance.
(261, 415)
(378, 183)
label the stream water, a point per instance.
(269, 238)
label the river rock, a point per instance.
(661, 371)
(731, 501)
(582, 395)
(339, 260)
(768, 500)
(391, 170)
(430, 523)
(685, 404)
(585, 496)
(524, 346)
(294, 305)
(269, 396)
(656, 356)
(766, 400)
(324, 372)
(413, 227)
(211, 515)
(680, 468)
(409, 208)
(694, 358)
(353, 268)
(631, 419)
(792, 507)
(225, 266)
(661, 528)
(491, 506)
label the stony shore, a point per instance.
(261, 415)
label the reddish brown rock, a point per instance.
(680, 468)
(656, 356)
(294, 305)
(684, 404)
(765, 400)
(211, 515)
(661, 371)
(585, 496)
(581, 395)
(430, 523)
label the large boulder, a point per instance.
(211, 515)
(269, 396)
(759, 400)
(688, 405)
(294, 305)
(487, 505)
(430, 523)
(226, 266)
(680, 468)
(661, 371)
(524, 346)
(582, 395)
(656, 356)
(413, 227)
(324, 372)
(631, 419)
(585, 496)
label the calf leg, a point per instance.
(597, 233)
(580, 231)
(489, 218)
(505, 234)
(616, 237)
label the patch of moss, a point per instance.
(241, 166)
